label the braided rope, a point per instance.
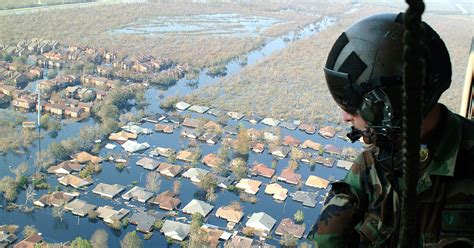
(412, 92)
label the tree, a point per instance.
(81, 243)
(29, 230)
(242, 143)
(197, 236)
(299, 216)
(8, 187)
(288, 240)
(116, 224)
(153, 181)
(131, 239)
(58, 213)
(29, 194)
(19, 171)
(92, 214)
(57, 151)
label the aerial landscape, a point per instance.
(149, 123)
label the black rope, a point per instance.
(413, 79)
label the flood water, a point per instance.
(59, 231)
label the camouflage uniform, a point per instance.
(363, 210)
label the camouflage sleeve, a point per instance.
(341, 211)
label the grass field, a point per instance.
(290, 84)
(16, 4)
(94, 26)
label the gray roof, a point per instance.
(195, 173)
(261, 221)
(307, 198)
(344, 164)
(145, 220)
(270, 122)
(197, 206)
(175, 230)
(288, 125)
(225, 181)
(215, 112)
(199, 109)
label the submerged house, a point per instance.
(163, 151)
(212, 160)
(278, 151)
(74, 181)
(230, 213)
(65, 167)
(84, 157)
(145, 220)
(169, 170)
(291, 141)
(307, 128)
(108, 190)
(175, 230)
(148, 163)
(317, 182)
(79, 207)
(122, 136)
(167, 200)
(270, 122)
(261, 221)
(32, 241)
(279, 193)
(289, 176)
(288, 226)
(186, 156)
(137, 193)
(326, 161)
(327, 132)
(191, 122)
(197, 206)
(182, 106)
(311, 144)
(164, 128)
(289, 125)
(307, 198)
(56, 199)
(344, 164)
(262, 170)
(108, 214)
(198, 109)
(132, 146)
(234, 115)
(249, 186)
(195, 174)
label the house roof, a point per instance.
(65, 167)
(56, 199)
(287, 226)
(249, 185)
(289, 176)
(108, 214)
(307, 198)
(278, 192)
(327, 131)
(122, 136)
(311, 144)
(191, 122)
(215, 112)
(344, 164)
(270, 122)
(132, 146)
(235, 115)
(279, 151)
(253, 118)
(170, 170)
(257, 147)
(108, 190)
(212, 160)
(185, 155)
(288, 125)
(79, 207)
(195, 174)
(163, 151)
(84, 157)
(261, 221)
(175, 230)
(290, 141)
(145, 220)
(326, 161)
(197, 206)
(138, 193)
(74, 181)
(262, 170)
(165, 128)
(148, 163)
(30, 241)
(230, 213)
(308, 128)
(167, 200)
(199, 109)
(332, 149)
(317, 182)
(182, 105)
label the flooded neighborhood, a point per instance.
(129, 147)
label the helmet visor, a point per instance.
(342, 91)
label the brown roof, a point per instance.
(212, 125)
(327, 131)
(212, 160)
(122, 136)
(29, 242)
(311, 144)
(257, 147)
(164, 128)
(169, 169)
(287, 226)
(230, 213)
(307, 128)
(290, 141)
(83, 157)
(317, 182)
(185, 155)
(190, 122)
(287, 175)
(167, 200)
(262, 170)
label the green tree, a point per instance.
(57, 151)
(79, 242)
(299, 216)
(131, 239)
(58, 213)
(8, 187)
(100, 239)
